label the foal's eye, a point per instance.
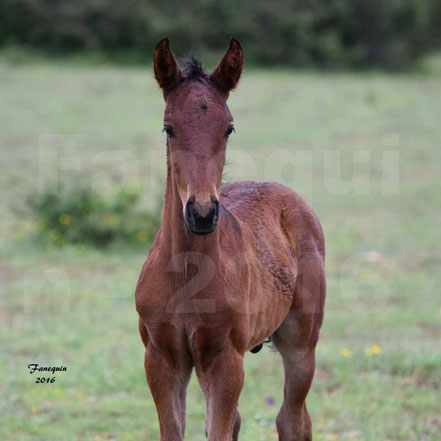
(229, 131)
(169, 131)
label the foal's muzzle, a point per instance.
(201, 219)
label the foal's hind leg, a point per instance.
(293, 421)
(296, 340)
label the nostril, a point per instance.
(201, 218)
(189, 210)
(215, 202)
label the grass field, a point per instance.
(379, 358)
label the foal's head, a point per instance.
(198, 123)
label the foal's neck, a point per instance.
(175, 236)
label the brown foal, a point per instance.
(230, 266)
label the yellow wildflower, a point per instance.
(345, 352)
(65, 219)
(35, 409)
(111, 220)
(143, 236)
(373, 350)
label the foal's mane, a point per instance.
(192, 68)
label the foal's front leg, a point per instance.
(222, 381)
(168, 388)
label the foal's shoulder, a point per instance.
(255, 192)
(269, 199)
(256, 203)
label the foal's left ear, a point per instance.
(227, 73)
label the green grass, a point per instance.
(75, 306)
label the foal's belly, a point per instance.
(262, 301)
(241, 319)
(264, 323)
(267, 296)
(267, 243)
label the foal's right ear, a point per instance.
(166, 68)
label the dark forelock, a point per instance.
(192, 68)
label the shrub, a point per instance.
(321, 33)
(77, 215)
